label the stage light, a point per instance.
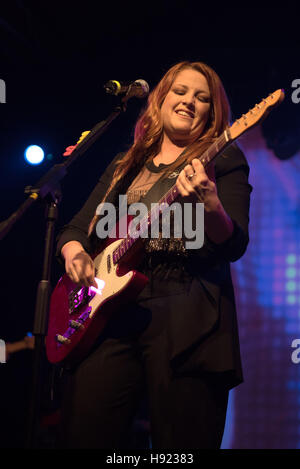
(34, 154)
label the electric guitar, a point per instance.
(78, 315)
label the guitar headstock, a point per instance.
(255, 115)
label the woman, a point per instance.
(177, 342)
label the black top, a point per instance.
(156, 169)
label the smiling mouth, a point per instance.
(183, 113)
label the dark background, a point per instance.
(55, 58)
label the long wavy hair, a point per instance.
(148, 134)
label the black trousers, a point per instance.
(103, 393)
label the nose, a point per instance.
(189, 100)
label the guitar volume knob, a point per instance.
(75, 324)
(62, 339)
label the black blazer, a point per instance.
(203, 333)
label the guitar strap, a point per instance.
(161, 187)
(155, 193)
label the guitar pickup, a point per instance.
(108, 262)
(78, 298)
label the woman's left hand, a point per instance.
(196, 183)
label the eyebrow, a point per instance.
(186, 87)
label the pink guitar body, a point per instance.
(77, 315)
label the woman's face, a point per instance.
(185, 109)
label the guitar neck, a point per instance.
(208, 156)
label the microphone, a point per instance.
(138, 88)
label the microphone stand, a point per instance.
(48, 190)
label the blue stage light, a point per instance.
(34, 154)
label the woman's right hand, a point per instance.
(78, 264)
